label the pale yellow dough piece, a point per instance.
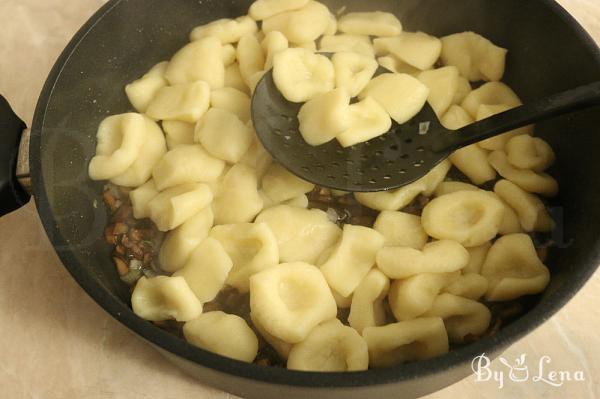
(263, 9)
(182, 102)
(469, 285)
(393, 64)
(513, 269)
(251, 59)
(251, 246)
(224, 334)
(229, 54)
(368, 120)
(443, 85)
(526, 152)
(476, 57)
(492, 93)
(415, 48)
(406, 341)
(528, 180)
(238, 200)
(357, 44)
(175, 206)
(436, 257)
(181, 242)
(281, 347)
(120, 141)
(367, 308)
(401, 229)
(412, 297)
(165, 298)
(302, 234)
(226, 30)
(257, 157)
(353, 71)
(141, 197)
(330, 347)
(498, 143)
(532, 212)
(141, 92)
(224, 135)
(234, 78)
(401, 95)
(290, 300)
(352, 258)
(462, 317)
(232, 100)
(477, 257)
(280, 185)
(178, 133)
(300, 26)
(273, 43)
(300, 74)
(201, 60)
(186, 164)
(470, 218)
(375, 23)
(206, 270)
(325, 116)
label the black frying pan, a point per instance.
(549, 53)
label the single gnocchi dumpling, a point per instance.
(281, 347)
(238, 199)
(443, 85)
(415, 48)
(290, 300)
(280, 185)
(436, 257)
(393, 64)
(498, 143)
(181, 242)
(120, 141)
(300, 74)
(206, 270)
(234, 78)
(224, 334)
(401, 229)
(232, 100)
(528, 180)
(330, 347)
(186, 164)
(141, 92)
(226, 30)
(251, 246)
(462, 317)
(353, 71)
(165, 298)
(470, 218)
(376, 23)
(175, 206)
(367, 308)
(368, 120)
(141, 197)
(396, 200)
(352, 258)
(302, 234)
(273, 43)
(476, 57)
(300, 26)
(468, 285)
(201, 60)
(251, 59)
(178, 133)
(492, 93)
(182, 102)
(412, 297)
(325, 116)
(356, 44)
(531, 211)
(401, 95)
(406, 341)
(152, 151)
(263, 9)
(224, 135)
(513, 269)
(526, 152)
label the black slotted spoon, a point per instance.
(403, 155)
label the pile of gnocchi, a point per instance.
(411, 284)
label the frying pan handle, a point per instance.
(12, 194)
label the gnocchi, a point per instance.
(526, 152)
(182, 102)
(199, 61)
(224, 135)
(366, 309)
(141, 92)
(226, 30)
(175, 206)
(355, 44)
(375, 23)
(353, 71)
(238, 200)
(531, 211)
(165, 298)
(417, 49)
(368, 120)
(302, 25)
(280, 185)
(401, 230)
(324, 117)
(443, 86)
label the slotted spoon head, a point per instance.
(403, 155)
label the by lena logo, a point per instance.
(519, 371)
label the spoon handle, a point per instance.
(559, 104)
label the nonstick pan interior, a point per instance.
(548, 53)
